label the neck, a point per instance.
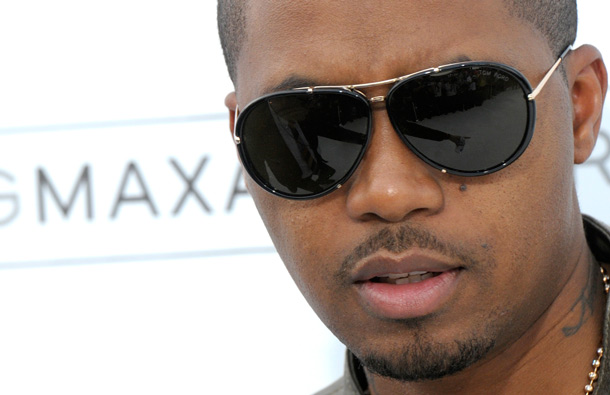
(553, 356)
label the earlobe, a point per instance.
(588, 81)
(231, 103)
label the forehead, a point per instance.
(342, 41)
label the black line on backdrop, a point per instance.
(114, 124)
(135, 258)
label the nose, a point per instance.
(391, 183)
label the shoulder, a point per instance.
(598, 238)
(352, 381)
(343, 386)
(336, 388)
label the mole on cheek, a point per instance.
(463, 188)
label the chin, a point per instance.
(425, 359)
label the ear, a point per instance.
(231, 103)
(588, 82)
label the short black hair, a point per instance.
(231, 18)
(557, 20)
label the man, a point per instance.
(436, 232)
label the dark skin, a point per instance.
(529, 281)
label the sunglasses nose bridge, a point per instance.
(377, 103)
(373, 88)
(376, 99)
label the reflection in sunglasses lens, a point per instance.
(467, 119)
(306, 143)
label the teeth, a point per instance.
(406, 278)
(403, 275)
(401, 281)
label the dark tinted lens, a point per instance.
(465, 120)
(300, 144)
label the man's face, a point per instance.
(499, 247)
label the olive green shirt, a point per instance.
(353, 381)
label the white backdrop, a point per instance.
(131, 259)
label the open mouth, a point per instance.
(404, 278)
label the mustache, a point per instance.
(397, 240)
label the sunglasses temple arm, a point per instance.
(532, 96)
(236, 139)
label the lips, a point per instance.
(408, 287)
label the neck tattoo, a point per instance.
(597, 362)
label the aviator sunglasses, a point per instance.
(466, 119)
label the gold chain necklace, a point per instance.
(597, 362)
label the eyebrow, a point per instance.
(292, 82)
(296, 81)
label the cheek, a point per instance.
(531, 207)
(550, 166)
(540, 185)
(300, 232)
